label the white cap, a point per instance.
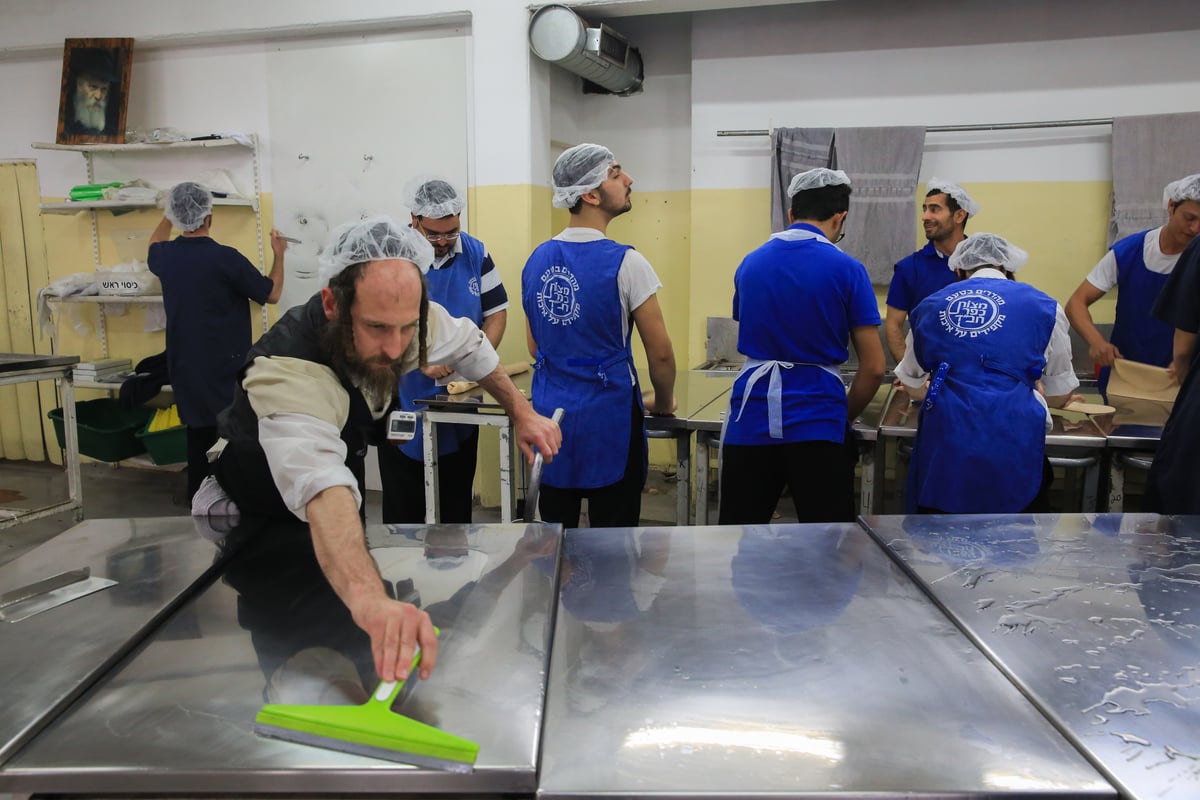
(187, 204)
(579, 170)
(952, 189)
(1183, 189)
(433, 197)
(987, 249)
(373, 239)
(817, 179)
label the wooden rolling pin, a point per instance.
(458, 387)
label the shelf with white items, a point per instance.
(78, 206)
(162, 147)
(108, 298)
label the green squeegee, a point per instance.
(371, 729)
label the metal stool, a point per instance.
(1116, 475)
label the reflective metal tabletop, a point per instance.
(1095, 617)
(49, 659)
(901, 417)
(784, 660)
(176, 717)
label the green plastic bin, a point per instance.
(168, 446)
(107, 432)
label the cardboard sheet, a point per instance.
(1142, 381)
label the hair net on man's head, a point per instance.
(817, 179)
(187, 204)
(579, 170)
(984, 250)
(433, 197)
(952, 189)
(372, 239)
(1183, 189)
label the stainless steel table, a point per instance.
(1076, 440)
(24, 368)
(785, 661)
(176, 716)
(49, 659)
(1095, 617)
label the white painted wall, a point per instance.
(226, 40)
(925, 63)
(648, 132)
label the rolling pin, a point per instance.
(458, 387)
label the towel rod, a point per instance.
(1001, 126)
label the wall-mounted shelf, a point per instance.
(190, 158)
(108, 298)
(145, 147)
(77, 207)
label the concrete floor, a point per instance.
(123, 492)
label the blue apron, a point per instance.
(982, 436)
(457, 288)
(1136, 333)
(583, 365)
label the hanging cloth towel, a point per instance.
(794, 150)
(1148, 153)
(883, 164)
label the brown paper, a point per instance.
(1142, 381)
(458, 387)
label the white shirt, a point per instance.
(1058, 378)
(1104, 275)
(305, 450)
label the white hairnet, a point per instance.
(1183, 189)
(433, 197)
(984, 250)
(186, 205)
(952, 189)
(816, 179)
(579, 170)
(373, 239)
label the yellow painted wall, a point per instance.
(1063, 226)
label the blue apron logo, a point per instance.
(473, 286)
(557, 296)
(972, 312)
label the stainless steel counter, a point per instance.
(176, 716)
(789, 661)
(1095, 617)
(49, 659)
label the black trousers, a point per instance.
(403, 481)
(618, 505)
(198, 442)
(819, 474)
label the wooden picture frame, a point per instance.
(95, 91)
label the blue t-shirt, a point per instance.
(205, 289)
(917, 276)
(796, 301)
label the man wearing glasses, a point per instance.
(465, 281)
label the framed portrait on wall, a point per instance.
(95, 91)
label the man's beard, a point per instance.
(87, 116)
(378, 378)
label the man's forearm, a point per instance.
(341, 547)
(493, 327)
(500, 386)
(893, 330)
(162, 232)
(1080, 317)
(662, 378)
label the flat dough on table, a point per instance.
(1089, 408)
(1142, 381)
